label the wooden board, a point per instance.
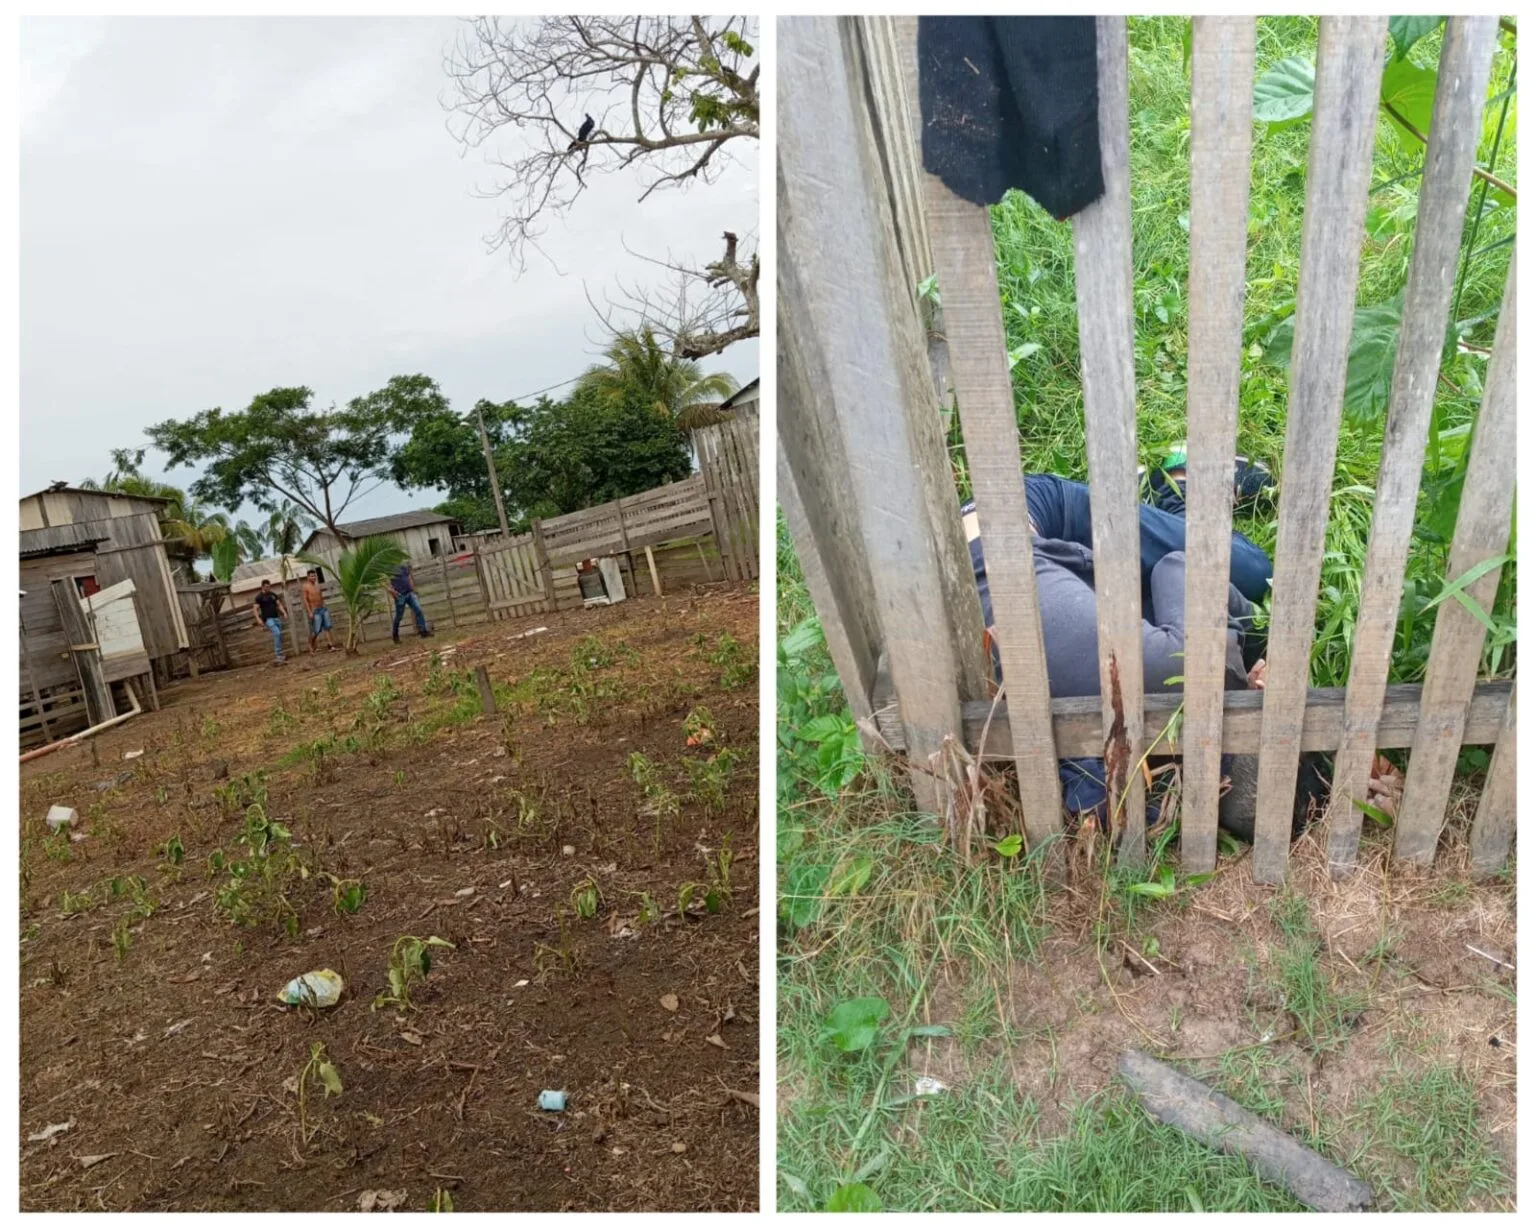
(1465, 58)
(1221, 134)
(1493, 830)
(1351, 55)
(1482, 533)
(964, 258)
(1077, 731)
(77, 633)
(835, 224)
(1101, 236)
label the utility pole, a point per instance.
(490, 469)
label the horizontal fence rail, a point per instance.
(866, 481)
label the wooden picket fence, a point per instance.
(868, 494)
(665, 538)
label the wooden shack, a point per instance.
(422, 534)
(98, 539)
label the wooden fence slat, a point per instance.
(1221, 138)
(1482, 533)
(1351, 55)
(1105, 322)
(834, 219)
(964, 258)
(1493, 830)
(1465, 59)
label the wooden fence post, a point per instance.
(1465, 59)
(964, 258)
(1220, 147)
(485, 593)
(546, 572)
(487, 691)
(1106, 321)
(1482, 533)
(834, 218)
(1350, 58)
(442, 567)
(1493, 830)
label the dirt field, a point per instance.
(602, 911)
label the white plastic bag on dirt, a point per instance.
(316, 989)
(60, 817)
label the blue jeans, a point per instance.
(1059, 507)
(408, 599)
(275, 626)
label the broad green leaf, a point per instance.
(1158, 891)
(1010, 846)
(855, 1197)
(1020, 352)
(853, 1025)
(1410, 91)
(802, 638)
(1371, 812)
(1284, 93)
(1406, 31)
(1456, 587)
(931, 1029)
(331, 1079)
(1372, 354)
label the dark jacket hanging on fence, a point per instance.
(1012, 102)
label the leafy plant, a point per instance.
(255, 891)
(281, 721)
(699, 727)
(172, 851)
(710, 779)
(321, 1070)
(361, 574)
(737, 669)
(348, 896)
(854, 1025)
(410, 960)
(586, 898)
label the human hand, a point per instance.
(1256, 675)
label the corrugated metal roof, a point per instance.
(60, 489)
(357, 529)
(59, 539)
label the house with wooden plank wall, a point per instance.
(93, 539)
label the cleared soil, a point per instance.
(150, 1025)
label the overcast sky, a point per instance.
(214, 207)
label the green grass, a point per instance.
(874, 905)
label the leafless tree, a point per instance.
(667, 97)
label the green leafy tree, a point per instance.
(360, 574)
(641, 371)
(286, 528)
(441, 451)
(279, 448)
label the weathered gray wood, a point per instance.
(1220, 147)
(1493, 830)
(487, 691)
(961, 235)
(1465, 58)
(1077, 730)
(817, 504)
(84, 651)
(1220, 1122)
(546, 571)
(1105, 323)
(854, 661)
(1351, 54)
(834, 223)
(1482, 532)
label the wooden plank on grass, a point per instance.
(1105, 323)
(1221, 1123)
(1482, 534)
(964, 258)
(835, 225)
(1351, 51)
(1465, 58)
(1220, 147)
(1493, 830)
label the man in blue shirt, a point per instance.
(403, 590)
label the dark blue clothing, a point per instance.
(401, 580)
(409, 599)
(1060, 509)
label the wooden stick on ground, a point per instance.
(1189, 1105)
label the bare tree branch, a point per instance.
(668, 96)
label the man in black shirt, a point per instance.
(270, 612)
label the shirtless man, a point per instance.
(314, 607)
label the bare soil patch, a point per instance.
(149, 1020)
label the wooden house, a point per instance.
(421, 534)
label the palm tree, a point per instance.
(361, 573)
(195, 529)
(675, 388)
(287, 527)
(251, 540)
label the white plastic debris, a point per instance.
(322, 988)
(60, 817)
(928, 1086)
(132, 754)
(552, 1102)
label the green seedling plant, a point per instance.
(255, 891)
(659, 802)
(710, 779)
(717, 892)
(348, 896)
(586, 898)
(737, 668)
(320, 1070)
(281, 722)
(122, 939)
(410, 960)
(590, 653)
(173, 852)
(699, 727)
(442, 1200)
(545, 956)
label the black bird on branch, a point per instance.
(581, 136)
